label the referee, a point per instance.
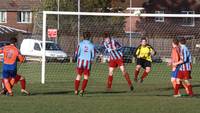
(144, 53)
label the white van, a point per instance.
(32, 49)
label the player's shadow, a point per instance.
(54, 93)
(196, 85)
(170, 88)
(105, 93)
(72, 93)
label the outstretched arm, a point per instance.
(21, 58)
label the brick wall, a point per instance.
(12, 22)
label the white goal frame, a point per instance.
(136, 13)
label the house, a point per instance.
(18, 14)
(161, 30)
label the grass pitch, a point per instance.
(56, 95)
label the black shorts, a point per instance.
(144, 63)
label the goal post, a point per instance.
(136, 13)
(44, 48)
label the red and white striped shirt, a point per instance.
(112, 46)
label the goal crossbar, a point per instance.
(120, 14)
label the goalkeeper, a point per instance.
(144, 53)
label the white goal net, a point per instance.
(57, 56)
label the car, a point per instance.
(157, 59)
(128, 53)
(101, 54)
(32, 49)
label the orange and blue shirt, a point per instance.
(175, 55)
(10, 57)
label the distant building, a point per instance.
(18, 15)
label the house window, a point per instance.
(24, 17)
(3, 17)
(188, 21)
(159, 19)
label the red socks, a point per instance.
(190, 90)
(110, 79)
(144, 75)
(176, 89)
(109, 82)
(76, 84)
(23, 84)
(136, 74)
(128, 79)
(84, 84)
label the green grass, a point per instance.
(56, 95)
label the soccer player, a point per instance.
(85, 56)
(143, 54)
(184, 74)
(175, 57)
(22, 83)
(116, 60)
(11, 56)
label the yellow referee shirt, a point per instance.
(144, 52)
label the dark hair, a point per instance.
(175, 41)
(86, 35)
(106, 34)
(143, 39)
(182, 40)
(13, 40)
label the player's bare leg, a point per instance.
(110, 78)
(145, 74)
(76, 84)
(3, 91)
(188, 87)
(127, 77)
(8, 86)
(84, 84)
(1, 83)
(137, 70)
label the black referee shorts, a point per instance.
(144, 63)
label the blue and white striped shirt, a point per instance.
(187, 59)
